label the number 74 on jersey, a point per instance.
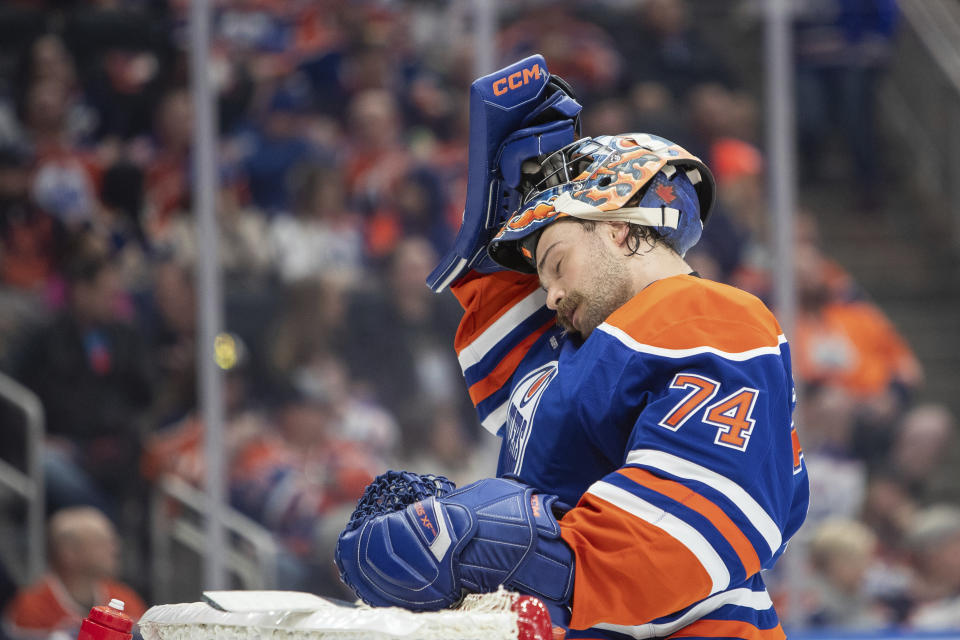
(732, 414)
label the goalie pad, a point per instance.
(490, 533)
(515, 111)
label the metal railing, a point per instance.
(27, 484)
(923, 100)
(177, 516)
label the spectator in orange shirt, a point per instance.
(29, 238)
(167, 170)
(848, 344)
(84, 560)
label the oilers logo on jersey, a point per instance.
(523, 405)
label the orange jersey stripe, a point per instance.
(686, 312)
(729, 629)
(483, 389)
(628, 571)
(485, 298)
(689, 498)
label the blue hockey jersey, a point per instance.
(670, 430)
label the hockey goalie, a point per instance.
(649, 468)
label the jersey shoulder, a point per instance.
(686, 312)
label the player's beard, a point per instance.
(608, 287)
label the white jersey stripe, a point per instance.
(482, 344)
(682, 468)
(681, 531)
(496, 418)
(740, 356)
(758, 600)
(452, 275)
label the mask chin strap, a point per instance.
(647, 216)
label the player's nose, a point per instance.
(554, 296)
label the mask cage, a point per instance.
(560, 167)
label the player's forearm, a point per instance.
(504, 326)
(648, 544)
(627, 571)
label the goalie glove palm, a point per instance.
(492, 532)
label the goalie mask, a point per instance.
(635, 177)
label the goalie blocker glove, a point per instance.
(516, 113)
(426, 555)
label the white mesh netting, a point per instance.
(480, 617)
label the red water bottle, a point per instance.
(107, 623)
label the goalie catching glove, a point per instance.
(426, 554)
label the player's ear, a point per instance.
(618, 231)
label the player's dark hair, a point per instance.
(637, 236)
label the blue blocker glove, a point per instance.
(516, 113)
(427, 554)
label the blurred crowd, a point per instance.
(342, 148)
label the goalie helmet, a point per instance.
(635, 177)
